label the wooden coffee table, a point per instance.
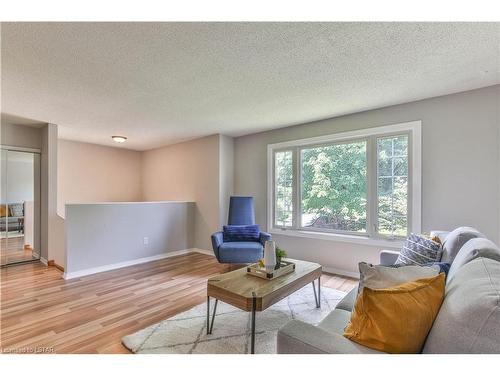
(251, 293)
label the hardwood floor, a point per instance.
(41, 311)
(12, 250)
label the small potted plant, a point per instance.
(280, 253)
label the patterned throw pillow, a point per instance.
(16, 209)
(418, 250)
(241, 233)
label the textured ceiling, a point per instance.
(160, 83)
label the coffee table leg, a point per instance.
(317, 296)
(208, 315)
(213, 317)
(319, 292)
(210, 326)
(252, 342)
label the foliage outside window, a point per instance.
(334, 187)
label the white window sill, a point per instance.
(360, 240)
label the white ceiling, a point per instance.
(161, 83)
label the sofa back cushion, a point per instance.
(469, 318)
(455, 240)
(475, 248)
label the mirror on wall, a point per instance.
(19, 206)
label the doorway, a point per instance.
(19, 205)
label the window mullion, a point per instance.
(296, 188)
(371, 194)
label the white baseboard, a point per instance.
(340, 272)
(114, 266)
(202, 251)
(44, 261)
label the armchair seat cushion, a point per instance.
(240, 252)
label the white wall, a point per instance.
(226, 176)
(19, 171)
(104, 236)
(91, 173)
(51, 232)
(461, 174)
(21, 135)
(187, 171)
(19, 174)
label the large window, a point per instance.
(362, 183)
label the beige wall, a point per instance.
(460, 160)
(92, 173)
(200, 171)
(187, 171)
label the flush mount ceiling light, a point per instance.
(119, 138)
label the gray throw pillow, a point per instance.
(418, 251)
(381, 277)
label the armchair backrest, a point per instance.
(241, 211)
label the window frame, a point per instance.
(294, 183)
(370, 135)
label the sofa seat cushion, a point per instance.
(347, 303)
(297, 337)
(10, 220)
(336, 321)
(469, 318)
(455, 240)
(240, 252)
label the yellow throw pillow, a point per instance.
(3, 210)
(397, 319)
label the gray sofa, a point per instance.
(14, 221)
(468, 320)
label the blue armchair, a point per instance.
(241, 212)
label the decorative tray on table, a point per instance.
(256, 270)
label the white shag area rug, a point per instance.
(186, 332)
